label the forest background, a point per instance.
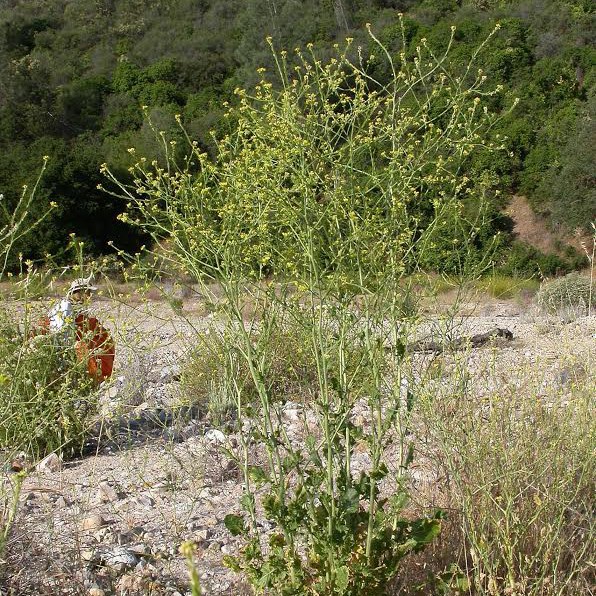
(83, 81)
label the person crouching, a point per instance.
(71, 322)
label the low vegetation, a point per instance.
(46, 395)
(520, 464)
(572, 293)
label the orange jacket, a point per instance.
(93, 343)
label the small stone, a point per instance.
(215, 546)
(87, 555)
(210, 521)
(128, 584)
(111, 393)
(138, 549)
(50, 463)
(102, 535)
(61, 503)
(144, 500)
(203, 534)
(95, 591)
(106, 493)
(92, 523)
(119, 557)
(19, 462)
(215, 436)
(170, 373)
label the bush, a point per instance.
(334, 182)
(574, 291)
(520, 464)
(521, 259)
(46, 395)
(291, 369)
(504, 286)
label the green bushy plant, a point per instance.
(521, 259)
(46, 394)
(210, 366)
(10, 491)
(574, 291)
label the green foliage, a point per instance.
(521, 259)
(9, 503)
(336, 531)
(332, 181)
(568, 188)
(291, 369)
(572, 292)
(46, 395)
(336, 161)
(74, 76)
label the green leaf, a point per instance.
(350, 500)
(234, 524)
(232, 563)
(399, 349)
(342, 578)
(409, 455)
(247, 500)
(410, 401)
(424, 531)
(258, 475)
(380, 472)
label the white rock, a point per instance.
(170, 373)
(144, 500)
(50, 463)
(119, 557)
(93, 522)
(215, 436)
(111, 393)
(87, 555)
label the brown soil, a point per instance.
(532, 229)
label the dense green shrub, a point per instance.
(86, 111)
(522, 259)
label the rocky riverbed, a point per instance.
(113, 522)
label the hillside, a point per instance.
(75, 74)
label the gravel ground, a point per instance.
(113, 522)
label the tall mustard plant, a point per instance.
(323, 184)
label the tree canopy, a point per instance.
(76, 77)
